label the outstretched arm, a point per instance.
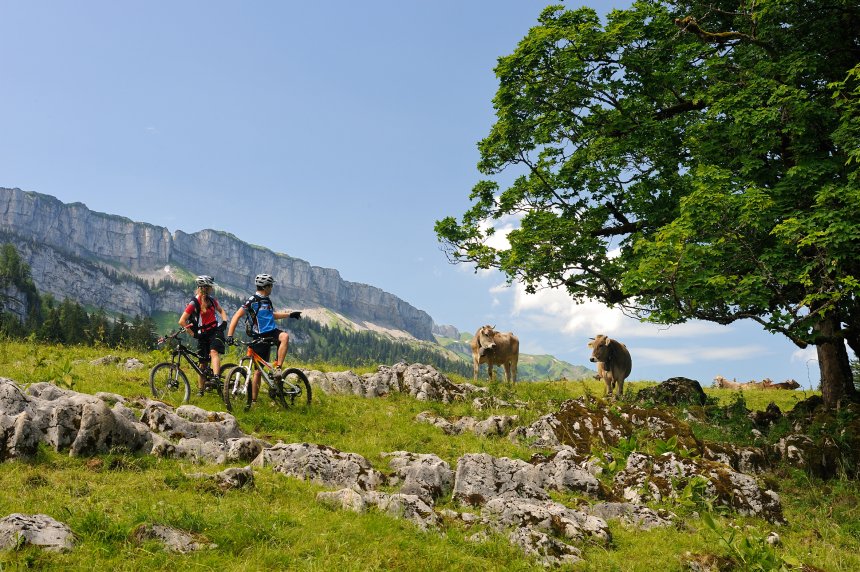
(295, 314)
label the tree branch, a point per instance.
(690, 24)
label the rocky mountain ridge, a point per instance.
(108, 261)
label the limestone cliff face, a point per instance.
(69, 248)
(82, 232)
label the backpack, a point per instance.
(194, 317)
(251, 317)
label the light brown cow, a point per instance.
(613, 363)
(495, 348)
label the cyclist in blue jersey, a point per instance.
(262, 314)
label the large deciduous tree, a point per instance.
(684, 160)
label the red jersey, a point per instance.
(207, 318)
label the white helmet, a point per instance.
(263, 280)
(205, 280)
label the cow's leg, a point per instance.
(490, 370)
(508, 372)
(475, 367)
(609, 383)
(601, 375)
(619, 387)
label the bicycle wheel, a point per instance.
(238, 381)
(294, 387)
(224, 386)
(169, 383)
(231, 378)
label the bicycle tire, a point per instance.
(228, 383)
(237, 378)
(301, 396)
(168, 383)
(223, 386)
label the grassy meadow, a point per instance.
(279, 525)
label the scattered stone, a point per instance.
(321, 464)
(495, 425)
(479, 537)
(423, 475)
(132, 364)
(707, 563)
(664, 477)
(481, 477)
(190, 421)
(821, 457)
(344, 499)
(111, 398)
(750, 460)
(408, 507)
(66, 420)
(173, 540)
(420, 381)
(674, 391)
(106, 360)
(229, 479)
(549, 551)
(764, 420)
(546, 516)
(17, 530)
(492, 402)
(578, 425)
(632, 515)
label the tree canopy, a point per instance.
(684, 160)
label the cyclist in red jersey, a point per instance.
(200, 320)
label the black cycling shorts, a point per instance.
(264, 348)
(207, 341)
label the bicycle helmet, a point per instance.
(263, 280)
(204, 280)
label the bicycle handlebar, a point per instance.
(170, 336)
(270, 341)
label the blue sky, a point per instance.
(335, 132)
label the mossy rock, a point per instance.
(674, 391)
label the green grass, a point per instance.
(279, 525)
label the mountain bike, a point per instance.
(289, 387)
(168, 382)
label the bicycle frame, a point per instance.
(183, 351)
(191, 357)
(256, 363)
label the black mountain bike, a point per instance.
(169, 383)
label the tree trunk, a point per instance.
(836, 380)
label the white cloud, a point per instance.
(695, 354)
(809, 353)
(553, 309)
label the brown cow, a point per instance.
(788, 384)
(495, 348)
(613, 363)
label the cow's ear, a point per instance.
(606, 341)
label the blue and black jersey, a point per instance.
(262, 312)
